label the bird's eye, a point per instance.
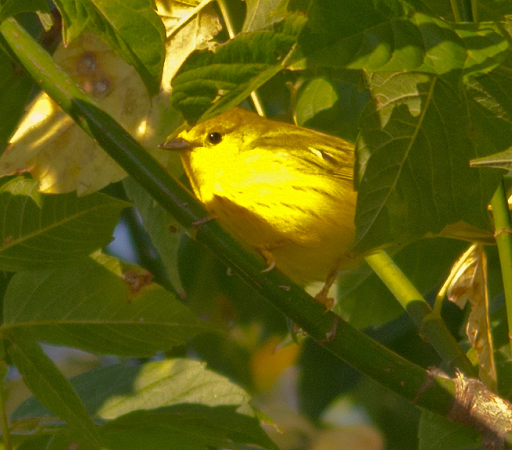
(214, 138)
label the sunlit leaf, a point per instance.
(112, 391)
(261, 14)
(52, 147)
(189, 26)
(176, 400)
(331, 105)
(60, 154)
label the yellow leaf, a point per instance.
(58, 153)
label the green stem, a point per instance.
(503, 227)
(431, 325)
(427, 390)
(230, 24)
(455, 10)
(474, 10)
(466, 11)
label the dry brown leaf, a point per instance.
(468, 282)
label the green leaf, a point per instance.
(420, 43)
(331, 105)
(133, 29)
(492, 95)
(188, 427)
(50, 387)
(233, 70)
(414, 149)
(43, 230)
(438, 433)
(112, 391)
(165, 232)
(495, 10)
(103, 308)
(325, 17)
(32, 443)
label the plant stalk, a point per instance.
(503, 227)
(431, 325)
(455, 10)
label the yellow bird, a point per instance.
(286, 190)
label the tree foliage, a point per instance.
(420, 87)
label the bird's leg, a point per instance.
(323, 296)
(266, 251)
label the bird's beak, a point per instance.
(176, 144)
